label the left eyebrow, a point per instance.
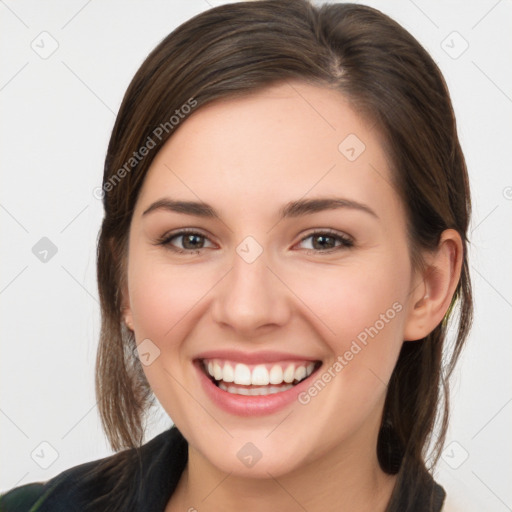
(308, 206)
(296, 208)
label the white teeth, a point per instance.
(228, 374)
(217, 371)
(300, 373)
(242, 375)
(276, 375)
(241, 391)
(289, 373)
(270, 390)
(259, 375)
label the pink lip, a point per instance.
(243, 405)
(253, 357)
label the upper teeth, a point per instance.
(259, 375)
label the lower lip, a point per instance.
(243, 405)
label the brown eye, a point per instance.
(324, 241)
(184, 241)
(192, 241)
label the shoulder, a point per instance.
(97, 484)
(417, 491)
(23, 498)
(64, 492)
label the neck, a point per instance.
(345, 479)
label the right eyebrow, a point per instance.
(196, 208)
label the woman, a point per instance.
(283, 248)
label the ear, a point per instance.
(126, 311)
(432, 291)
(118, 253)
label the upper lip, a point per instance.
(264, 356)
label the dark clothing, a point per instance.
(149, 475)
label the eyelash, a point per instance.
(346, 242)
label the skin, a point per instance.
(247, 157)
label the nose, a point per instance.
(251, 299)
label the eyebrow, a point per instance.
(291, 209)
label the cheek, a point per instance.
(359, 311)
(162, 295)
(164, 301)
(350, 299)
(360, 314)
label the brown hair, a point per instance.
(236, 49)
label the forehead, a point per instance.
(278, 144)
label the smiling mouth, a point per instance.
(257, 380)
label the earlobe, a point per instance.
(432, 296)
(126, 312)
(128, 321)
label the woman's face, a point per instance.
(275, 281)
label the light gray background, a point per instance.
(57, 113)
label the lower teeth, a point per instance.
(264, 390)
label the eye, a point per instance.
(189, 241)
(327, 241)
(192, 242)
